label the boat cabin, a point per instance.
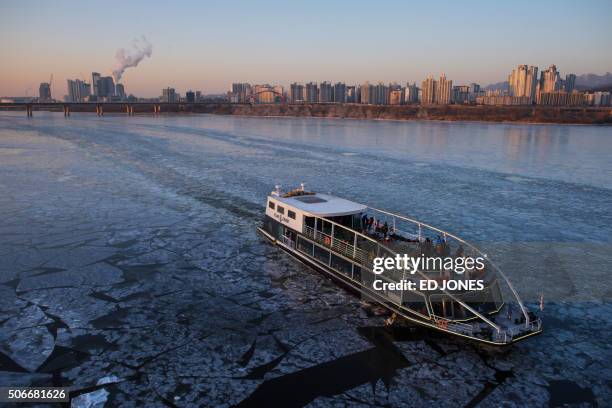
(299, 207)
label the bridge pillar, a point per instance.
(66, 110)
(99, 110)
(131, 110)
(29, 111)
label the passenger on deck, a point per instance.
(447, 249)
(427, 247)
(440, 245)
(364, 222)
(385, 230)
(459, 252)
(370, 223)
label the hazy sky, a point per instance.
(205, 45)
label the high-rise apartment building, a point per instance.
(169, 95)
(95, 76)
(367, 93)
(312, 92)
(296, 93)
(429, 91)
(380, 94)
(325, 92)
(240, 93)
(120, 91)
(522, 82)
(105, 87)
(444, 93)
(411, 94)
(77, 90)
(44, 91)
(189, 95)
(461, 94)
(351, 94)
(340, 92)
(570, 82)
(396, 96)
(550, 80)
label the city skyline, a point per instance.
(522, 88)
(208, 46)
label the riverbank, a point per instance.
(480, 113)
(528, 114)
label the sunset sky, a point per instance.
(207, 45)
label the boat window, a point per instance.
(271, 205)
(357, 273)
(305, 246)
(280, 210)
(310, 199)
(321, 254)
(341, 265)
(291, 214)
(310, 221)
(324, 226)
(346, 220)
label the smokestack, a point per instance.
(141, 48)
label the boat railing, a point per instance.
(407, 234)
(420, 225)
(365, 258)
(288, 242)
(338, 245)
(454, 326)
(503, 336)
(536, 325)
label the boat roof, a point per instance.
(322, 205)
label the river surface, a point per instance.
(131, 270)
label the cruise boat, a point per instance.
(341, 239)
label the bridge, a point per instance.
(129, 108)
(253, 98)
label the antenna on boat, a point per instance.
(277, 190)
(303, 186)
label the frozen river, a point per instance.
(131, 271)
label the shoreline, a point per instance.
(519, 114)
(441, 121)
(442, 113)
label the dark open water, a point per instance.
(131, 271)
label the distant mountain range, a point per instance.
(594, 81)
(584, 82)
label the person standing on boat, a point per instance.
(385, 230)
(364, 222)
(440, 245)
(427, 247)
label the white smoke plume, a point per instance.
(141, 48)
